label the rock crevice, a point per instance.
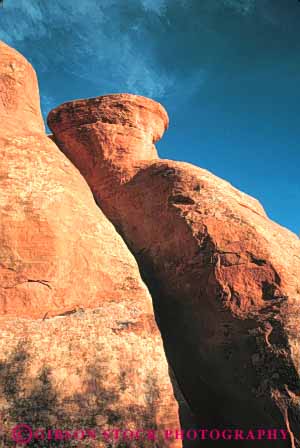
(59, 253)
(225, 290)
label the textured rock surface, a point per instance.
(99, 369)
(102, 362)
(225, 278)
(19, 97)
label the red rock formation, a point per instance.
(19, 97)
(225, 278)
(79, 344)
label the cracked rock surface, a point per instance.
(79, 345)
(225, 279)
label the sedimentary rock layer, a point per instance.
(79, 343)
(225, 278)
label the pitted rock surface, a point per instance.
(79, 342)
(224, 277)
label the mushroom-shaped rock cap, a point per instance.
(124, 109)
(19, 93)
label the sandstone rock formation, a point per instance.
(79, 345)
(225, 278)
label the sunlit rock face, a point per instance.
(79, 345)
(225, 278)
(19, 95)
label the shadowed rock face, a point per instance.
(79, 343)
(225, 278)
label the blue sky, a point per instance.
(227, 71)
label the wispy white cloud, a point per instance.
(28, 23)
(240, 6)
(108, 42)
(157, 6)
(48, 102)
(243, 7)
(91, 40)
